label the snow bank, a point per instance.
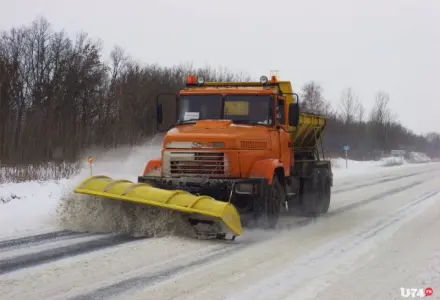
(342, 168)
(417, 157)
(409, 158)
(29, 207)
(393, 161)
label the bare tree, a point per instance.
(349, 106)
(381, 113)
(361, 113)
(312, 99)
(382, 119)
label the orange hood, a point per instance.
(209, 131)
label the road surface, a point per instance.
(381, 235)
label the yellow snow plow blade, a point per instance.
(198, 207)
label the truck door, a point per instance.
(283, 136)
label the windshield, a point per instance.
(246, 109)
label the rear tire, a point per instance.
(315, 199)
(267, 207)
(326, 192)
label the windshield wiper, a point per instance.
(253, 122)
(186, 122)
(244, 121)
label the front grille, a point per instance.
(211, 164)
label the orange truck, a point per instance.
(236, 153)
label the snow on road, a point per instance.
(381, 234)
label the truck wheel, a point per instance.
(315, 199)
(267, 207)
(327, 189)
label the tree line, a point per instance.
(59, 97)
(368, 134)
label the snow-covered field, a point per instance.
(381, 234)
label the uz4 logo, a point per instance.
(416, 292)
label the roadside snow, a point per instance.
(28, 207)
(342, 168)
(417, 157)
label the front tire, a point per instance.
(267, 207)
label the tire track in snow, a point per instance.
(351, 206)
(349, 182)
(41, 238)
(153, 277)
(354, 205)
(149, 279)
(46, 256)
(380, 181)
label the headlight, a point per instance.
(264, 79)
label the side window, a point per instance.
(280, 111)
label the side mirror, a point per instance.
(293, 114)
(165, 119)
(159, 114)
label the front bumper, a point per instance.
(223, 189)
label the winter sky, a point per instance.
(390, 45)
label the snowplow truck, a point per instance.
(234, 154)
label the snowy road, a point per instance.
(381, 234)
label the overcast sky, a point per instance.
(390, 45)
